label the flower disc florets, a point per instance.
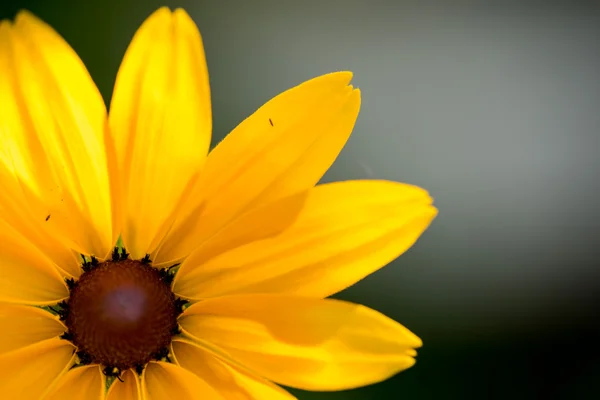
(121, 314)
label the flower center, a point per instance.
(122, 314)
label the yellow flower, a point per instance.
(229, 257)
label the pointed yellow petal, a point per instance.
(23, 325)
(26, 275)
(284, 147)
(344, 232)
(14, 168)
(52, 129)
(306, 343)
(129, 389)
(164, 381)
(87, 382)
(30, 372)
(228, 380)
(160, 119)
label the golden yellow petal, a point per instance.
(301, 342)
(160, 121)
(24, 325)
(26, 275)
(13, 200)
(231, 382)
(32, 371)
(14, 212)
(129, 389)
(164, 381)
(87, 382)
(248, 228)
(344, 232)
(284, 147)
(52, 128)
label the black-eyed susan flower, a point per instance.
(218, 287)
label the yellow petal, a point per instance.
(23, 325)
(306, 343)
(344, 232)
(30, 372)
(26, 275)
(283, 148)
(129, 389)
(87, 382)
(14, 212)
(231, 382)
(164, 381)
(14, 202)
(52, 126)
(160, 120)
(248, 228)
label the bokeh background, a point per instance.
(493, 106)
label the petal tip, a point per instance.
(26, 17)
(429, 212)
(433, 211)
(348, 74)
(182, 18)
(162, 13)
(345, 76)
(342, 78)
(355, 95)
(411, 352)
(417, 342)
(181, 13)
(162, 10)
(411, 363)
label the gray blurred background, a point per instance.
(492, 106)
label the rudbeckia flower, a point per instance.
(133, 264)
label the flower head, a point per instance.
(132, 259)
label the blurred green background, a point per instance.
(492, 106)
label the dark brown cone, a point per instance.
(121, 314)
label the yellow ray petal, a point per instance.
(14, 212)
(26, 275)
(306, 343)
(87, 382)
(23, 325)
(13, 201)
(52, 127)
(228, 380)
(30, 372)
(164, 381)
(284, 147)
(129, 389)
(160, 120)
(248, 228)
(344, 232)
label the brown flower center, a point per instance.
(122, 314)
